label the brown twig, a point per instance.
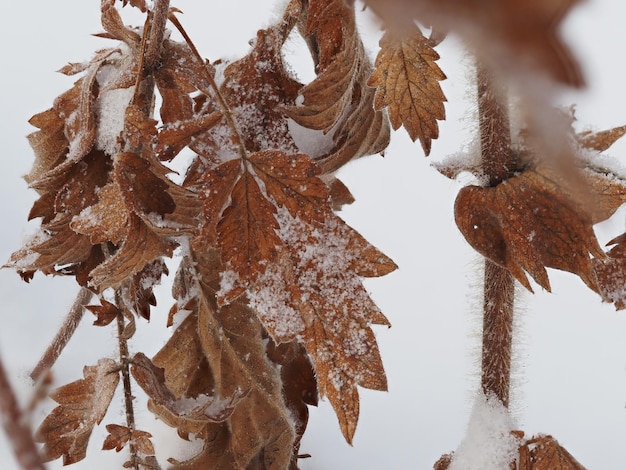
(125, 368)
(63, 336)
(17, 431)
(497, 162)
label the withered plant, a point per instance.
(269, 310)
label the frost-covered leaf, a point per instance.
(314, 292)
(82, 404)
(406, 79)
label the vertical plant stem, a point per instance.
(64, 334)
(128, 394)
(16, 430)
(497, 164)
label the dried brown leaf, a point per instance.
(119, 436)
(246, 234)
(338, 101)
(105, 313)
(543, 452)
(406, 79)
(141, 247)
(292, 182)
(527, 223)
(82, 404)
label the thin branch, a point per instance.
(63, 336)
(497, 162)
(226, 111)
(128, 394)
(17, 431)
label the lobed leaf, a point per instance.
(66, 430)
(406, 79)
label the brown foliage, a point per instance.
(271, 311)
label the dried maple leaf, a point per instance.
(314, 292)
(527, 223)
(406, 79)
(82, 404)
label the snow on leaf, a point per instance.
(314, 293)
(527, 223)
(82, 404)
(292, 182)
(406, 79)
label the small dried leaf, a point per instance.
(82, 404)
(406, 79)
(106, 312)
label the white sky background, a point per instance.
(570, 370)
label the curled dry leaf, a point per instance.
(406, 79)
(338, 102)
(528, 223)
(82, 404)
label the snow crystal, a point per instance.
(488, 444)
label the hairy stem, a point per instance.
(497, 164)
(63, 336)
(128, 395)
(17, 431)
